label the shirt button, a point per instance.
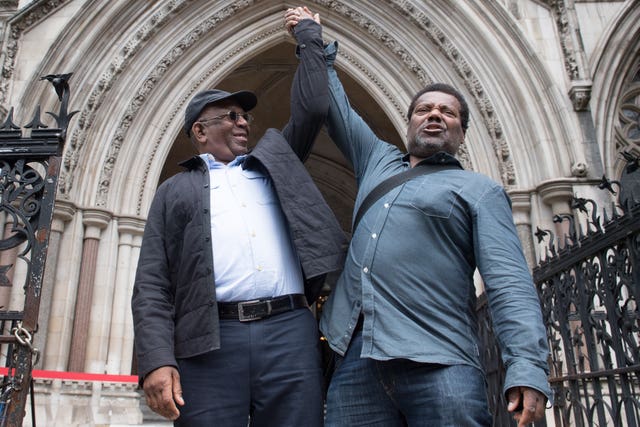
(366, 269)
(386, 205)
(374, 235)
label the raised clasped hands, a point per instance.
(293, 16)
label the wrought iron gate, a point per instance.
(29, 167)
(589, 291)
(589, 288)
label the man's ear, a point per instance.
(197, 130)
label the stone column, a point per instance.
(129, 229)
(521, 206)
(556, 194)
(63, 300)
(94, 221)
(63, 213)
(127, 341)
(102, 301)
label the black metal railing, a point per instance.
(589, 292)
(30, 159)
(589, 288)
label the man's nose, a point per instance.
(434, 115)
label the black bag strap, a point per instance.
(388, 184)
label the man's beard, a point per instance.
(424, 147)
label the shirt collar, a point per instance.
(440, 158)
(212, 163)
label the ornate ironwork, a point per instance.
(589, 288)
(589, 291)
(29, 168)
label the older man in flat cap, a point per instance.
(234, 250)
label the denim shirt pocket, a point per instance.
(434, 200)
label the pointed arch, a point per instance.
(615, 81)
(133, 96)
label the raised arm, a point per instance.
(347, 129)
(309, 93)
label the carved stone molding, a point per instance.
(131, 225)
(521, 206)
(556, 193)
(117, 67)
(627, 138)
(31, 15)
(8, 6)
(95, 220)
(181, 47)
(119, 64)
(102, 87)
(580, 94)
(459, 64)
(575, 59)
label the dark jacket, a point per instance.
(175, 312)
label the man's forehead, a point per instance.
(437, 98)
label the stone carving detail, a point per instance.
(628, 126)
(163, 65)
(390, 42)
(473, 84)
(117, 66)
(155, 22)
(439, 40)
(34, 14)
(579, 169)
(566, 41)
(179, 108)
(580, 95)
(104, 84)
(575, 62)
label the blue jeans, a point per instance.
(400, 392)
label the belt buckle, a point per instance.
(251, 317)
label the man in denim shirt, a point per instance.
(402, 315)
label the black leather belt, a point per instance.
(246, 311)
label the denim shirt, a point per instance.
(411, 262)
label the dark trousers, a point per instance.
(266, 373)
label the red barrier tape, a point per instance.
(79, 376)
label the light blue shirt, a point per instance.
(411, 263)
(253, 256)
